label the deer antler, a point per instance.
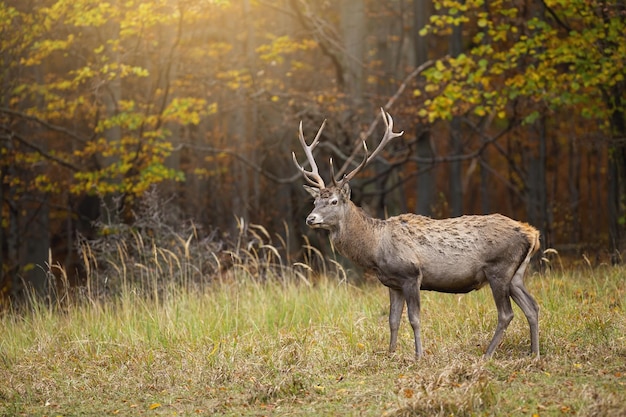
(313, 176)
(389, 134)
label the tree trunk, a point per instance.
(35, 244)
(353, 31)
(456, 137)
(168, 68)
(426, 180)
(485, 184)
(244, 190)
(456, 169)
(34, 222)
(111, 96)
(573, 182)
(384, 26)
(537, 205)
(252, 122)
(614, 98)
(616, 184)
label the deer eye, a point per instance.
(333, 202)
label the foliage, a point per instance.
(526, 62)
(106, 90)
(72, 63)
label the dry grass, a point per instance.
(284, 347)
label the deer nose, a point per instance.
(312, 219)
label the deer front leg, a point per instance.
(412, 296)
(396, 304)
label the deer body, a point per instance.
(409, 253)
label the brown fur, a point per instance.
(409, 253)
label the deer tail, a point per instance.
(532, 235)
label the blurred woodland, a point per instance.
(515, 107)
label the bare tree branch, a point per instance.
(44, 123)
(12, 135)
(309, 21)
(556, 17)
(242, 159)
(386, 107)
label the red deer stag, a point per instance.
(409, 253)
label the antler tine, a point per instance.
(387, 137)
(389, 134)
(313, 177)
(351, 174)
(332, 172)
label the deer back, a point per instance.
(450, 255)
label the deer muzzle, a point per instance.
(314, 220)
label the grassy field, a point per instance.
(245, 348)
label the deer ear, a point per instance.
(315, 192)
(345, 191)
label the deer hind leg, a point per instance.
(529, 306)
(501, 296)
(396, 305)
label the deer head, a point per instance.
(331, 203)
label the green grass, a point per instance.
(243, 348)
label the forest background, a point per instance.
(514, 107)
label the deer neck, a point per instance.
(356, 237)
